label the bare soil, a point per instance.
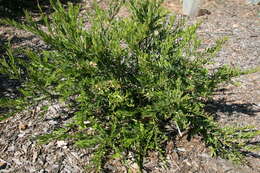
(234, 104)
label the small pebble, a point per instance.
(62, 144)
(52, 122)
(203, 12)
(204, 155)
(23, 126)
(180, 149)
(11, 148)
(21, 135)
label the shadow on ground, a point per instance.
(229, 108)
(8, 90)
(3, 41)
(15, 8)
(252, 154)
(8, 87)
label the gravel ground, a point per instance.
(237, 104)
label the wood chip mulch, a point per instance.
(237, 104)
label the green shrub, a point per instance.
(15, 8)
(126, 80)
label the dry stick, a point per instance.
(179, 131)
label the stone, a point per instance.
(203, 12)
(23, 126)
(62, 144)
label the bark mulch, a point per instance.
(234, 104)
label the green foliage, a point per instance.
(250, 71)
(14, 8)
(125, 79)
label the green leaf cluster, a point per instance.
(126, 79)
